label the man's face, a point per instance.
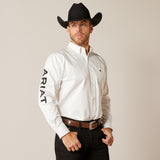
(79, 31)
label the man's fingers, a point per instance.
(69, 149)
(75, 133)
(72, 142)
(111, 141)
(107, 141)
(76, 147)
(73, 149)
(79, 144)
(102, 129)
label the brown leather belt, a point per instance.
(90, 125)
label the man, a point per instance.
(73, 93)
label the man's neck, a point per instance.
(87, 49)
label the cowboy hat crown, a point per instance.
(79, 12)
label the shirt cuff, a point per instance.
(62, 130)
(107, 125)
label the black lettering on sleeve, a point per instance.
(42, 93)
(44, 81)
(45, 72)
(44, 99)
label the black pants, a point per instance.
(92, 146)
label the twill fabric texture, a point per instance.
(74, 85)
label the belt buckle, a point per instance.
(90, 125)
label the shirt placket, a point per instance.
(92, 87)
(93, 90)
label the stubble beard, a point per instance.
(80, 41)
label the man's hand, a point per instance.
(71, 141)
(108, 133)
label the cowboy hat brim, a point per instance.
(95, 20)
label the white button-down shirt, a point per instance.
(74, 85)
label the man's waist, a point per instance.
(92, 124)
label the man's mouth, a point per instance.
(78, 35)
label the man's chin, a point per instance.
(79, 42)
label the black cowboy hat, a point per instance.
(79, 12)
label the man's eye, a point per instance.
(73, 25)
(83, 24)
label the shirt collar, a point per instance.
(79, 49)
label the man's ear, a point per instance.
(91, 29)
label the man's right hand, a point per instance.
(71, 141)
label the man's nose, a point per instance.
(78, 27)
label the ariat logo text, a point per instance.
(42, 87)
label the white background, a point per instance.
(127, 38)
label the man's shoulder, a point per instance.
(55, 58)
(59, 54)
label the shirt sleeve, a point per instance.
(106, 105)
(48, 88)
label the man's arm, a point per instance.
(107, 117)
(48, 88)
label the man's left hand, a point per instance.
(109, 137)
